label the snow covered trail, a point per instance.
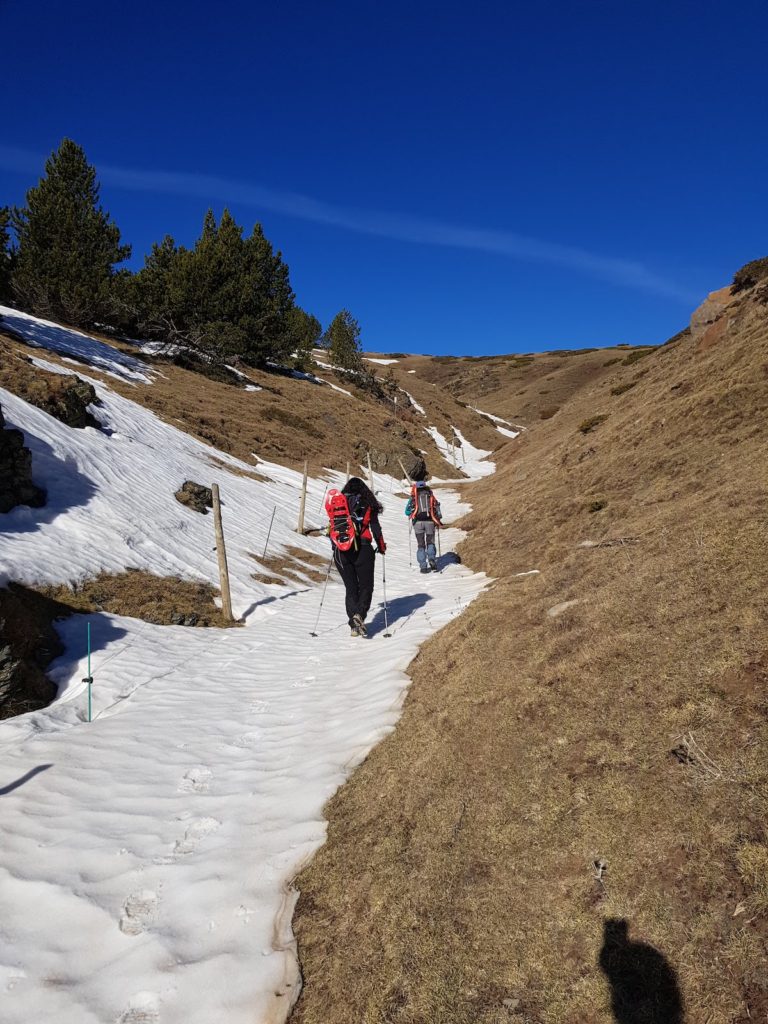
(146, 857)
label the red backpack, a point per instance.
(342, 529)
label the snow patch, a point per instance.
(149, 864)
(69, 342)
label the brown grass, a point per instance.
(163, 600)
(292, 565)
(285, 422)
(460, 868)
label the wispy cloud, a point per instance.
(397, 226)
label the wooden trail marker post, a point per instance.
(347, 470)
(404, 472)
(303, 501)
(221, 553)
(370, 474)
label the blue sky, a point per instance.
(467, 179)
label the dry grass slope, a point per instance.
(582, 745)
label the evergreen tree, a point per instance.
(6, 256)
(67, 244)
(229, 297)
(304, 331)
(343, 341)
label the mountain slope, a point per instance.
(146, 855)
(587, 744)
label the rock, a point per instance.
(28, 643)
(389, 461)
(195, 496)
(710, 311)
(558, 609)
(69, 403)
(16, 487)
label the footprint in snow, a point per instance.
(195, 780)
(300, 684)
(144, 1008)
(138, 911)
(260, 707)
(195, 831)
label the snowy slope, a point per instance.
(464, 455)
(146, 857)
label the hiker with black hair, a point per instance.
(423, 509)
(354, 527)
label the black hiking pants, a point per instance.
(356, 570)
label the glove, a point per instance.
(381, 549)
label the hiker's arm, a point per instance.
(378, 536)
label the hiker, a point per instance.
(354, 526)
(423, 509)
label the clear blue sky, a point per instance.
(466, 178)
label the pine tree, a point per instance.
(67, 244)
(343, 341)
(229, 297)
(6, 255)
(304, 331)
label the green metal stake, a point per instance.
(89, 678)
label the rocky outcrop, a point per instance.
(16, 487)
(28, 643)
(69, 402)
(709, 321)
(389, 461)
(195, 496)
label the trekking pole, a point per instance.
(269, 532)
(384, 578)
(410, 545)
(322, 598)
(89, 678)
(439, 552)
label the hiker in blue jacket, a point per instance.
(423, 509)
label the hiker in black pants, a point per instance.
(356, 564)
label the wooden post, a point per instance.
(347, 470)
(303, 502)
(404, 472)
(221, 552)
(370, 474)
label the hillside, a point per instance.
(582, 744)
(586, 745)
(151, 827)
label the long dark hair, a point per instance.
(356, 486)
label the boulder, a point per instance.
(389, 461)
(711, 309)
(16, 487)
(28, 643)
(69, 403)
(195, 496)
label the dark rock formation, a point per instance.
(195, 496)
(28, 643)
(16, 487)
(389, 461)
(69, 402)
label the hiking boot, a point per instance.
(433, 565)
(354, 631)
(360, 625)
(425, 568)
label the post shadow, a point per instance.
(17, 783)
(644, 988)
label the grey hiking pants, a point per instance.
(425, 539)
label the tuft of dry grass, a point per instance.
(530, 792)
(163, 600)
